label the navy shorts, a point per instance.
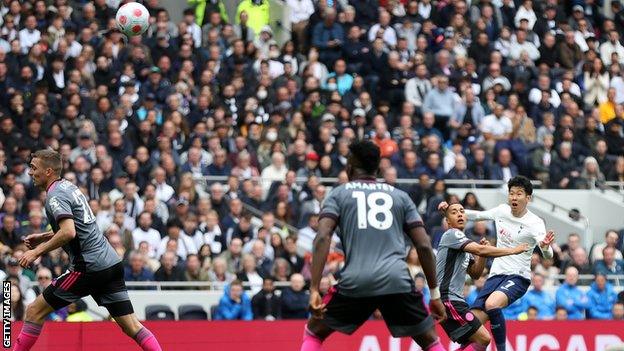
(514, 286)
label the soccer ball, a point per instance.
(132, 19)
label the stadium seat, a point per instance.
(159, 313)
(213, 311)
(191, 312)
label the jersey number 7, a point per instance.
(378, 204)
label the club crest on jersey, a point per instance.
(504, 233)
(54, 204)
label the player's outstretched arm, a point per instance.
(472, 215)
(492, 251)
(65, 234)
(422, 243)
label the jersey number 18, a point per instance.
(378, 204)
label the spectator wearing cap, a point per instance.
(157, 85)
(310, 167)
(601, 298)
(235, 304)
(571, 297)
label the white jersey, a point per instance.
(511, 231)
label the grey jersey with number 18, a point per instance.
(373, 219)
(89, 251)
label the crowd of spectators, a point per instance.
(448, 89)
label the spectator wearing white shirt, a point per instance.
(417, 88)
(185, 244)
(525, 11)
(617, 82)
(212, 233)
(192, 27)
(29, 36)
(300, 12)
(144, 232)
(384, 30)
(609, 47)
(276, 171)
(164, 191)
(496, 127)
(543, 83)
(521, 45)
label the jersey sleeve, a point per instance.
(490, 214)
(412, 217)
(60, 207)
(330, 208)
(540, 233)
(456, 239)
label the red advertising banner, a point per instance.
(287, 335)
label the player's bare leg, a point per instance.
(429, 341)
(315, 333)
(494, 308)
(133, 328)
(36, 313)
(480, 340)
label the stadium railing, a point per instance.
(617, 280)
(470, 183)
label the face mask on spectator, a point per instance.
(332, 86)
(262, 94)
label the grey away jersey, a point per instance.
(89, 251)
(372, 218)
(452, 263)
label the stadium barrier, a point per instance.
(287, 335)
